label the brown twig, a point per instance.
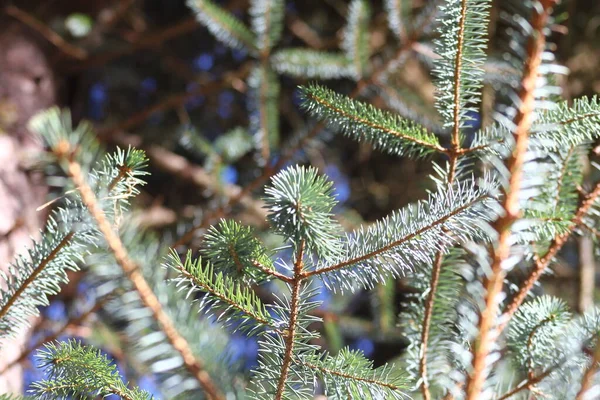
(526, 385)
(457, 82)
(510, 204)
(435, 276)
(543, 262)
(291, 330)
(454, 153)
(588, 377)
(49, 34)
(131, 270)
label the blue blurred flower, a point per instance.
(239, 55)
(225, 101)
(229, 174)
(341, 183)
(203, 62)
(148, 384)
(148, 85)
(97, 101)
(194, 101)
(365, 345)
(323, 294)
(243, 350)
(55, 311)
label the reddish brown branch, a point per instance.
(291, 330)
(435, 277)
(131, 270)
(523, 119)
(455, 150)
(588, 377)
(542, 263)
(528, 384)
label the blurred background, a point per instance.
(147, 74)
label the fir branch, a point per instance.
(64, 242)
(349, 373)
(131, 270)
(363, 122)
(224, 294)
(528, 384)
(542, 263)
(409, 236)
(290, 334)
(356, 36)
(587, 381)
(510, 204)
(435, 276)
(396, 10)
(264, 109)
(223, 25)
(267, 23)
(306, 63)
(76, 370)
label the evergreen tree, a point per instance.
(502, 203)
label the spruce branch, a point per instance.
(510, 204)
(365, 123)
(131, 270)
(78, 320)
(307, 63)
(587, 381)
(435, 276)
(300, 202)
(264, 109)
(267, 23)
(356, 36)
(349, 373)
(223, 294)
(527, 384)
(290, 334)
(396, 10)
(541, 263)
(15, 297)
(223, 25)
(235, 251)
(459, 69)
(406, 238)
(289, 153)
(568, 126)
(77, 370)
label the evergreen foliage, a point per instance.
(504, 203)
